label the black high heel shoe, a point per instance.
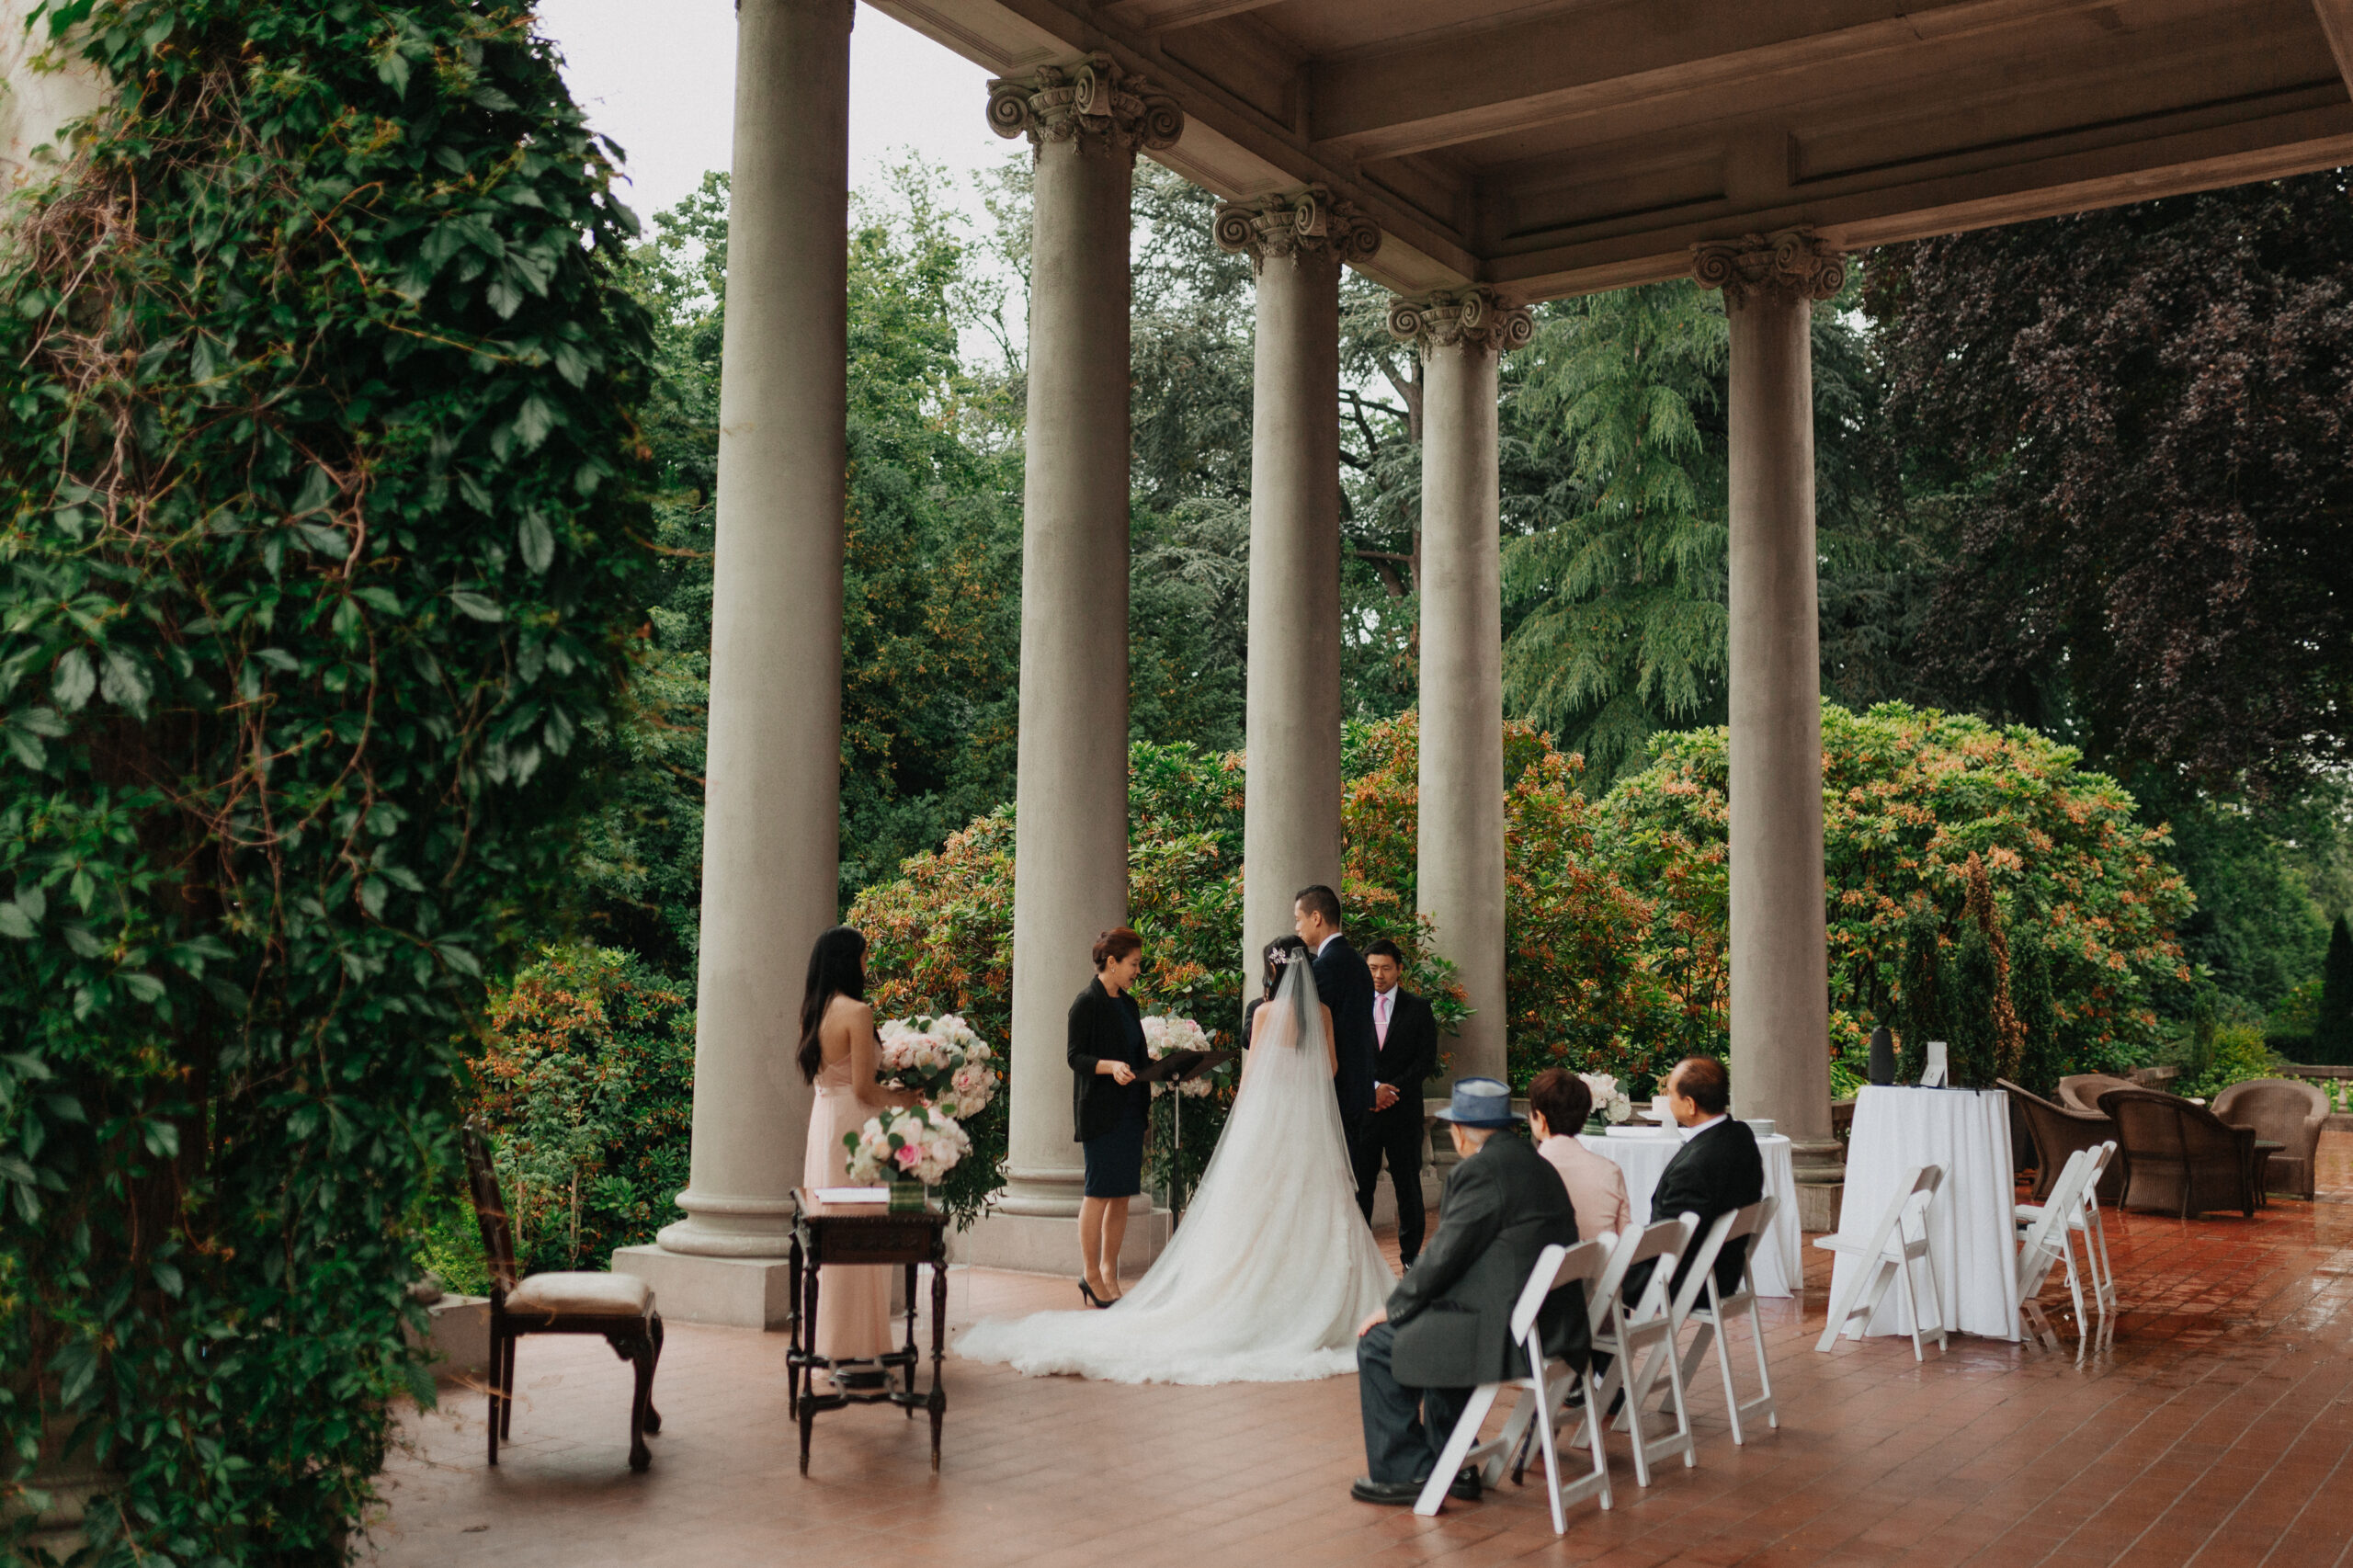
(1092, 1298)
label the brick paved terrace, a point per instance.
(2217, 1431)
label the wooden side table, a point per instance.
(2260, 1174)
(854, 1235)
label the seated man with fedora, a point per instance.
(1448, 1326)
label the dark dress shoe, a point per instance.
(1396, 1494)
(1467, 1487)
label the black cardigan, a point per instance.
(1098, 1032)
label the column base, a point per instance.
(1819, 1169)
(1040, 1244)
(739, 1293)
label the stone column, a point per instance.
(1780, 997)
(1290, 834)
(1459, 858)
(772, 784)
(1087, 122)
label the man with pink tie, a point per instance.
(1407, 1032)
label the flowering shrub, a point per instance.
(919, 1144)
(1909, 795)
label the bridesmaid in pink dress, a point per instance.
(838, 1055)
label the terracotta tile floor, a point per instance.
(2217, 1430)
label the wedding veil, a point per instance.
(1273, 1266)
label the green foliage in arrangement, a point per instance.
(1909, 795)
(322, 550)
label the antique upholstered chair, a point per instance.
(2082, 1092)
(619, 1306)
(2058, 1132)
(2180, 1158)
(2281, 1111)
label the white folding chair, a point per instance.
(1630, 1335)
(1545, 1389)
(2084, 1222)
(2043, 1243)
(1701, 1302)
(1900, 1241)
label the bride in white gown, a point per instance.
(1273, 1267)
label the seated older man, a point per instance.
(1448, 1326)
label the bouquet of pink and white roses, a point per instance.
(1163, 1037)
(1609, 1102)
(921, 1143)
(941, 1058)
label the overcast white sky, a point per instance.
(660, 79)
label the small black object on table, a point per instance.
(861, 1235)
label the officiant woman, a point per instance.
(1110, 1105)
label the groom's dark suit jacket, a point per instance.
(1452, 1312)
(1345, 984)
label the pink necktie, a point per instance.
(1381, 1029)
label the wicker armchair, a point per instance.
(2282, 1111)
(2184, 1159)
(618, 1306)
(2058, 1132)
(2083, 1091)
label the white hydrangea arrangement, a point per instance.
(941, 1058)
(1163, 1036)
(1609, 1102)
(920, 1143)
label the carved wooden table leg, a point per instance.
(938, 1402)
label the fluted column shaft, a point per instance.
(1290, 833)
(1071, 796)
(1459, 868)
(1780, 1016)
(771, 794)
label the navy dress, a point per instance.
(1112, 1118)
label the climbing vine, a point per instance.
(320, 490)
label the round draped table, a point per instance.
(1973, 1224)
(1775, 1261)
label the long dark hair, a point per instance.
(1291, 945)
(837, 968)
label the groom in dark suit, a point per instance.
(1448, 1326)
(1345, 987)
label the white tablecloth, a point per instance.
(1775, 1262)
(1973, 1233)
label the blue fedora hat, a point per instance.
(1479, 1102)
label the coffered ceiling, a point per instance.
(1565, 146)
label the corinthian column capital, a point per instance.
(1787, 264)
(1309, 223)
(1092, 103)
(1476, 317)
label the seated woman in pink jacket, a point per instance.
(1558, 1104)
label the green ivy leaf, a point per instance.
(535, 539)
(75, 680)
(474, 604)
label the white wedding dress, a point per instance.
(1273, 1267)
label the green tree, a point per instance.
(320, 491)
(1622, 572)
(2332, 1034)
